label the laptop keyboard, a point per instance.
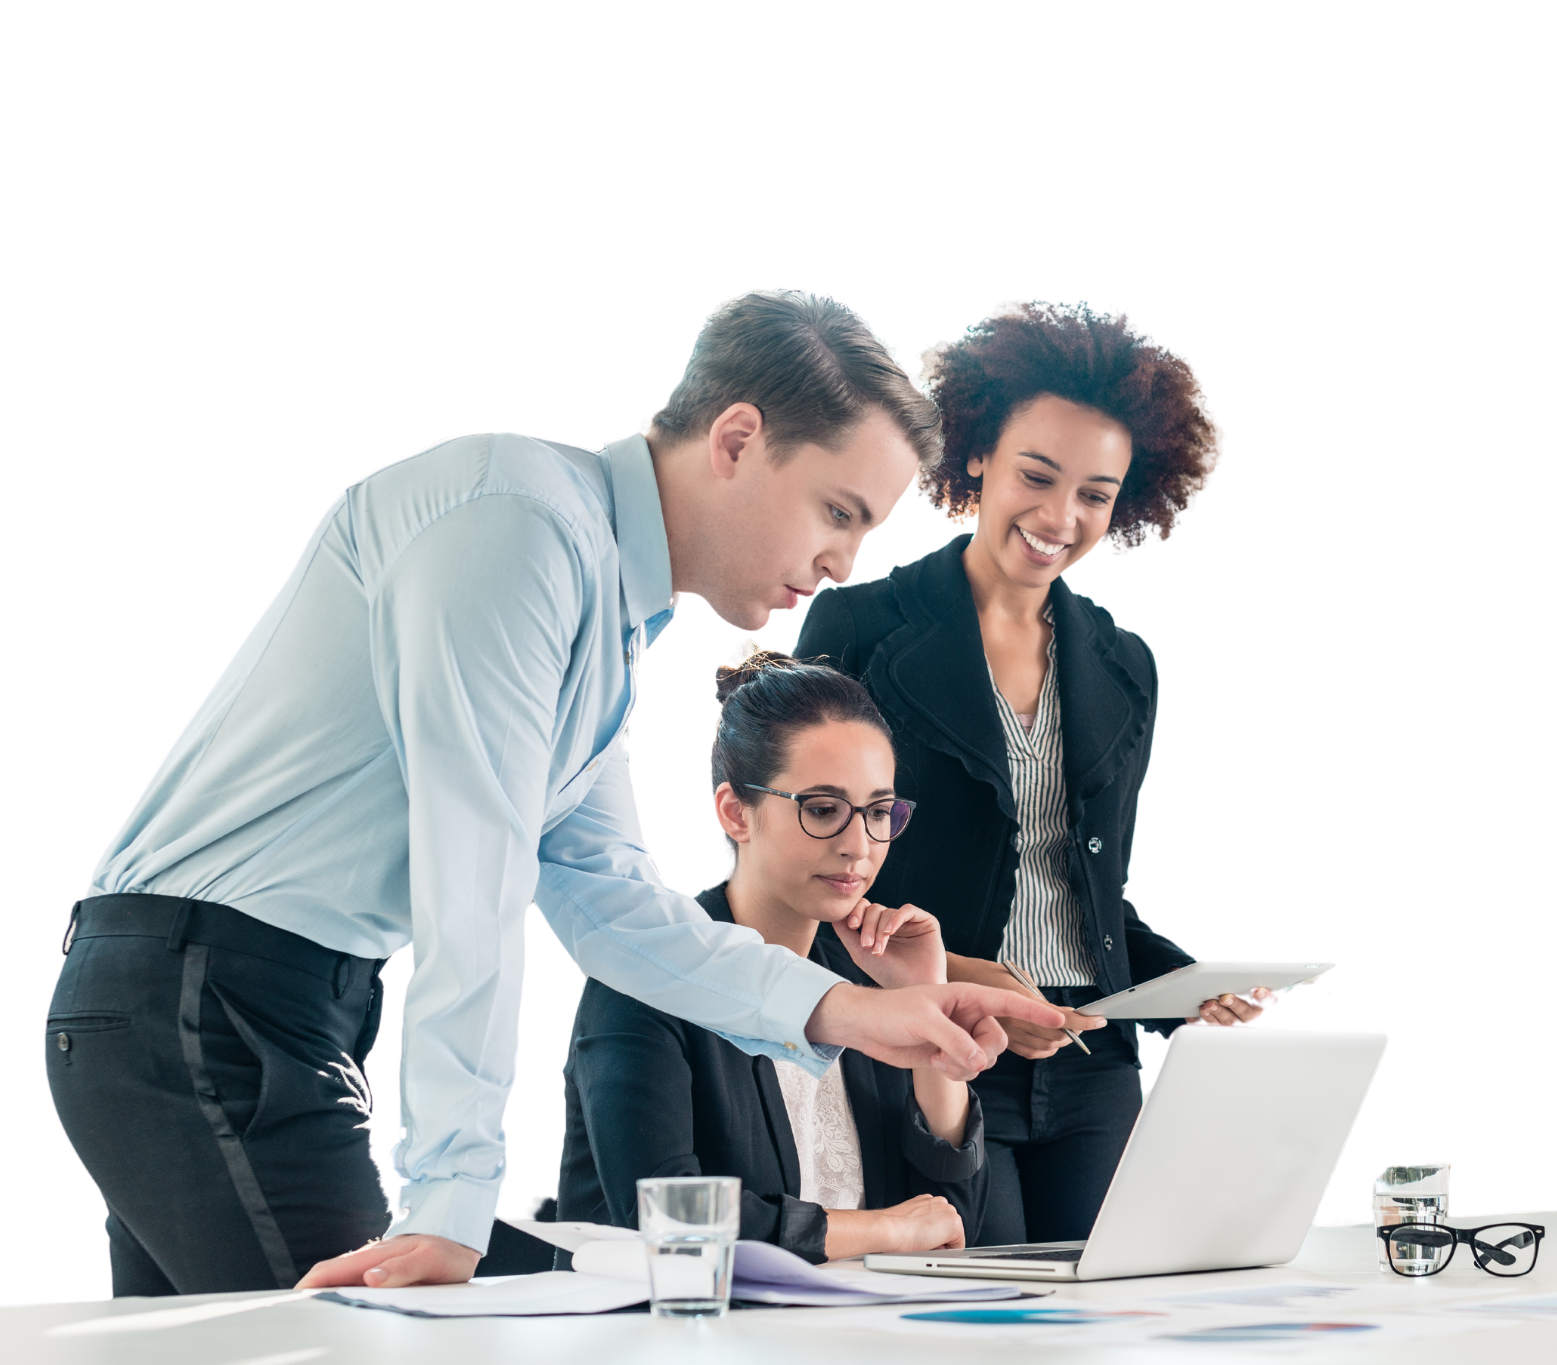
(1058, 1254)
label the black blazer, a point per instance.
(913, 637)
(651, 1095)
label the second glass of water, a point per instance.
(689, 1226)
(1411, 1194)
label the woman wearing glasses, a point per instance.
(866, 1157)
(1023, 720)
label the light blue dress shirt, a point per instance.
(423, 735)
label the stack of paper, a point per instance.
(763, 1273)
(610, 1271)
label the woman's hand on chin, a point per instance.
(899, 947)
(926, 1222)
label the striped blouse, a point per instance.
(1044, 934)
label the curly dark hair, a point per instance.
(1089, 358)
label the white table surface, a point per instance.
(301, 1331)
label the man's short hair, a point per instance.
(809, 365)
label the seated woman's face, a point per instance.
(821, 878)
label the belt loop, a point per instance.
(70, 929)
(180, 929)
(342, 976)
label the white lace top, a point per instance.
(826, 1139)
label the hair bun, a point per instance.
(729, 680)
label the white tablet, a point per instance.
(1179, 995)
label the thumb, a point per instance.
(990, 1037)
(956, 1048)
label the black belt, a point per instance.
(178, 921)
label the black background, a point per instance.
(1302, 800)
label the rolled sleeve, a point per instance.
(934, 1157)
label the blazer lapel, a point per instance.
(778, 1122)
(1103, 709)
(859, 1079)
(931, 672)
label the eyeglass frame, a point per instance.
(801, 798)
(1462, 1237)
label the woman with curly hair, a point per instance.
(1023, 720)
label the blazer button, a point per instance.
(1094, 845)
(1108, 943)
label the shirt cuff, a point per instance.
(803, 1229)
(935, 1157)
(786, 1010)
(457, 1208)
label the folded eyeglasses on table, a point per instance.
(1507, 1249)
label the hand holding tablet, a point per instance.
(1180, 994)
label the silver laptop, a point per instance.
(1224, 1169)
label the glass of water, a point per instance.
(689, 1226)
(1410, 1194)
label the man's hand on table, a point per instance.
(953, 1028)
(411, 1258)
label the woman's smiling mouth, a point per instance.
(1041, 547)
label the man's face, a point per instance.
(785, 527)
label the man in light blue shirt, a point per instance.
(423, 735)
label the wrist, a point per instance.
(855, 1232)
(832, 1021)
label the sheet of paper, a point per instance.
(571, 1236)
(768, 1274)
(1388, 1294)
(1145, 1322)
(504, 1296)
(1539, 1307)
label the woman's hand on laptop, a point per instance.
(1029, 1040)
(1233, 1009)
(899, 947)
(926, 1222)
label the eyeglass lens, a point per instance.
(822, 817)
(1420, 1250)
(1503, 1249)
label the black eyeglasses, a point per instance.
(1506, 1249)
(826, 817)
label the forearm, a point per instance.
(944, 1103)
(979, 970)
(607, 906)
(858, 1232)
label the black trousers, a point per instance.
(207, 1068)
(1054, 1131)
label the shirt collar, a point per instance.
(640, 530)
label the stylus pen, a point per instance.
(1022, 979)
